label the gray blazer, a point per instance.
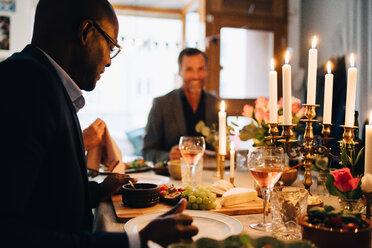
(166, 124)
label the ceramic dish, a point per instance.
(211, 225)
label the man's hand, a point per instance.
(171, 227)
(112, 184)
(175, 153)
(93, 134)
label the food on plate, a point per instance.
(313, 200)
(237, 196)
(136, 164)
(328, 217)
(221, 186)
(199, 198)
(161, 168)
(170, 194)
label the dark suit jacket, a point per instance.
(46, 198)
(166, 124)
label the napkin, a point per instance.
(107, 153)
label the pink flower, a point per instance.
(259, 114)
(296, 106)
(261, 103)
(344, 181)
(247, 110)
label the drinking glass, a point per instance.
(266, 165)
(192, 149)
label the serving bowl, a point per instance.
(174, 167)
(144, 195)
(324, 237)
(161, 168)
(289, 176)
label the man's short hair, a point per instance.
(189, 52)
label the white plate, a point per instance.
(155, 179)
(211, 225)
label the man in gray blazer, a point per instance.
(176, 113)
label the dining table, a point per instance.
(106, 219)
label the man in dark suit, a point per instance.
(176, 113)
(47, 199)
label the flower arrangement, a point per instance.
(260, 114)
(341, 183)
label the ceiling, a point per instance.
(161, 4)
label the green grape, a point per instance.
(212, 198)
(203, 194)
(188, 188)
(192, 198)
(200, 198)
(196, 192)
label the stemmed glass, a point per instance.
(192, 149)
(266, 165)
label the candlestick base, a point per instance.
(220, 165)
(348, 136)
(274, 133)
(232, 180)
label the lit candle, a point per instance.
(222, 129)
(368, 148)
(311, 73)
(232, 159)
(287, 92)
(273, 75)
(328, 91)
(351, 93)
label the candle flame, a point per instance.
(223, 106)
(329, 67)
(232, 146)
(314, 42)
(352, 60)
(272, 64)
(370, 118)
(287, 55)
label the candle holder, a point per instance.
(220, 165)
(326, 132)
(308, 149)
(274, 133)
(232, 180)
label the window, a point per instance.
(146, 68)
(245, 57)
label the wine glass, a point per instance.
(192, 149)
(266, 165)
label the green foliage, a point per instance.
(352, 158)
(243, 241)
(321, 163)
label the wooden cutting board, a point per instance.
(123, 213)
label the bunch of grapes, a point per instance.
(199, 198)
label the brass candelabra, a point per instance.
(308, 149)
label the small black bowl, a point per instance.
(145, 195)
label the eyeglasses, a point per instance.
(117, 48)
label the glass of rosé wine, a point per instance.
(266, 165)
(192, 149)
